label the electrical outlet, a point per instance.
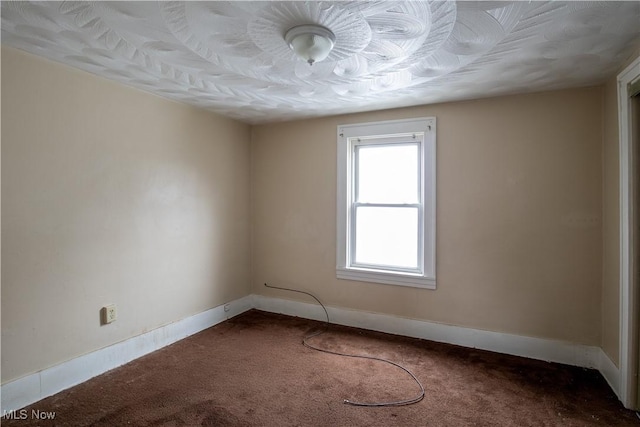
(108, 313)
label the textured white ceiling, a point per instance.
(231, 58)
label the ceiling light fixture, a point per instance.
(312, 43)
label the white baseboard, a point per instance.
(610, 372)
(29, 389)
(34, 387)
(517, 345)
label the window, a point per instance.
(386, 202)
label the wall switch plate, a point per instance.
(108, 314)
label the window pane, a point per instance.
(387, 236)
(387, 173)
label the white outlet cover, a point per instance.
(109, 313)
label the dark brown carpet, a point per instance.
(253, 371)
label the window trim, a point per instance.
(387, 130)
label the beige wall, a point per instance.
(111, 195)
(611, 224)
(519, 233)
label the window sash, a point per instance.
(414, 138)
(388, 267)
(386, 142)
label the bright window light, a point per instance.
(388, 173)
(387, 237)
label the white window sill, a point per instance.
(399, 279)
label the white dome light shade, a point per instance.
(312, 43)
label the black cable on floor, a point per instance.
(379, 359)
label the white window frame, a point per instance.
(423, 131)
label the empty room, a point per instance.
(318, 213)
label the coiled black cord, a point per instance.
(305, 342)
